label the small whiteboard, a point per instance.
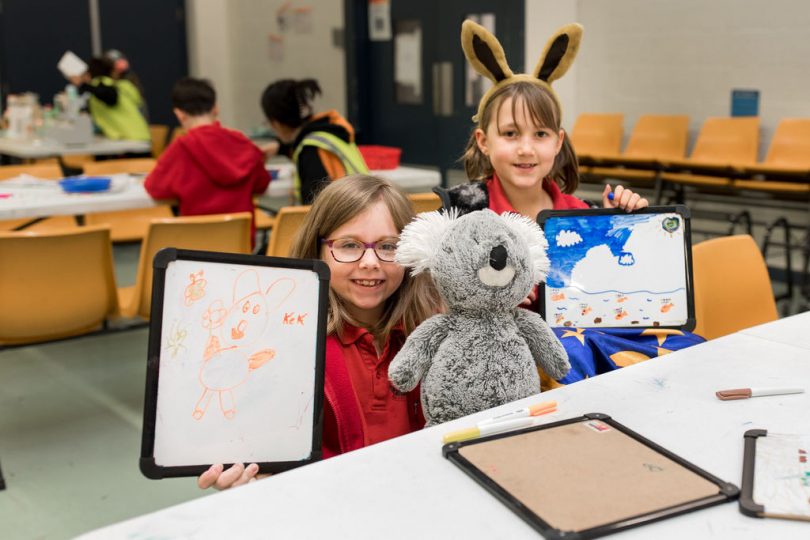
(613, 269)
(235, 363)
(776, 475)
(586, 477)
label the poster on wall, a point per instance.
(379, 20)
(408, 62)
(476, 84)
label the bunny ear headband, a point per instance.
(486, 56)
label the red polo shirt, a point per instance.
(385, 412)
(498, 202)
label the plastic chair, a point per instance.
(219, 232)
(45, 171)
(732, 287)
(425, 202)
(288, 220)
(55, 285)
(126, 225)
(655, 139)
(158, 133)
(722, 146)
(120, 166)
(597, 135)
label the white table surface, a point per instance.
(411, 179)
(45, 198)
(793, 331)
(404, 488)
(42, 148)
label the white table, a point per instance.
(45, 198)
(410, 179)
(43, 148)
(404, 488)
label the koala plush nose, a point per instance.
(497, 258)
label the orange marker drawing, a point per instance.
(666, 307)
(196, 289)
(230, 355)
(558, 296)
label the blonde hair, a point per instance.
(415, 300)
(543, 109)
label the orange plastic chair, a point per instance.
(786, 168)
(158, 134)
(597, 135)
(288, 220)
(732, 287)
(55, 285)
(126, 225)
(425, 202)
(228, 233)
(120, 166)
(723, 144)
(655, 139)
(45, 171)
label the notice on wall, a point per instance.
(379, 20)
(408, 62)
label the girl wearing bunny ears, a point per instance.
(518, 157)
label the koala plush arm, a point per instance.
(546, 349)
(413, 360)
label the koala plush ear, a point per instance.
(420, 239)
(535, 239)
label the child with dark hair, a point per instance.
(321, 145)
(114, 104)
(210, 169)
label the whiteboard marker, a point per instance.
(491, 429)
(532, 410)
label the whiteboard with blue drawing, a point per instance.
(611, 269)
(235, 362)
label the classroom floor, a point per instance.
(70, 433)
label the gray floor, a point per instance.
(70, 433)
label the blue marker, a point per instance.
(610, 196)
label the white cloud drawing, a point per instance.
(568, 238)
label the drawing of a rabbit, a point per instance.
(232, 352)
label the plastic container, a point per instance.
(85, 184)
(380, 157)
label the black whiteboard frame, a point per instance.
(727, 491)
(679, 209)
(161, 262)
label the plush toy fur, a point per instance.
(485, 54)
(485, 351)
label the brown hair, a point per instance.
(544, 111)
(340, 201)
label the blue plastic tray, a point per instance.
(85, 184)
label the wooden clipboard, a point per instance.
(587, 477)
(776, 476)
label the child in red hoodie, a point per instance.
(210, 169)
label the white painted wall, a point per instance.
(682, 56)
(228, 43)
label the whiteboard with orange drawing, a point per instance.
(610, 268)
(235, 362)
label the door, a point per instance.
(410, 91)
(152, 35)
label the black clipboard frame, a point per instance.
(728, 491)
(747, 504)
(162, 259)
(679, 209)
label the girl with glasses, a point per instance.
(353, 226)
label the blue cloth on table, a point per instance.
(593, 351)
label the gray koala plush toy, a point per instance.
(485, 350)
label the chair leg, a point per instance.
(788, 245)
(745, 217)
(2, 481)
